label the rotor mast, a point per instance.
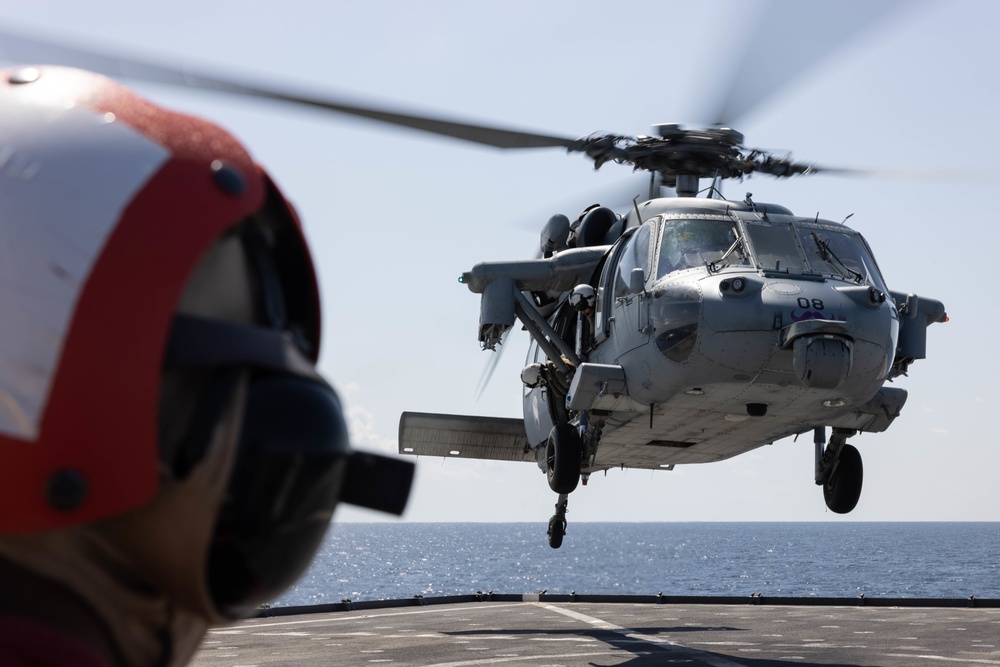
(685, 184)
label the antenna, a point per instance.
(635, 205)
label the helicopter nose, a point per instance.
(822, 362)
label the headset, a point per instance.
(293, 463)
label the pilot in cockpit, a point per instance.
(693, 243)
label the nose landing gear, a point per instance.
(839, 470)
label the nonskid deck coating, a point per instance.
(545, 633)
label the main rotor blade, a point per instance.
(916, 174)
(791, 38)
(20, 48)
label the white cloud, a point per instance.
(361, 424)
(350, 392)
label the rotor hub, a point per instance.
(715, 152)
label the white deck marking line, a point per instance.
(977, 661)
(522, 658)
(711, 659)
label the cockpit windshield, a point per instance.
(814, 248)
(690, 243)
(799, 247)
(845, 255)
(775, 248)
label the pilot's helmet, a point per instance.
(582, 297)
(154, 281)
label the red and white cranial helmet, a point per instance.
(107, 202)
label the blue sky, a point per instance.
(395, 217)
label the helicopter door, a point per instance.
(535, 404)
(628, 305)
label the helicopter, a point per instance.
(689, 330)
(570, 347)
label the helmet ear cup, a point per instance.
(286, 481)
(289, 463)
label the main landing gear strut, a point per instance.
(563, 463)
(838, 470)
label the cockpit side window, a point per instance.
(687, 244)
(635, 255)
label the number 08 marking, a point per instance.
(816, 304)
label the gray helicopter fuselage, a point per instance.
(723, 326)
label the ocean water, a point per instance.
(399, 560)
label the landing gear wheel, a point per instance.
(563, 453)
(842, 491)
(557, 524)
(557, 529)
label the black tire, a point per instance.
(557, 529)
(843, 490)
(563, 452)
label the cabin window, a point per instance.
(604, 287)
(688, 244)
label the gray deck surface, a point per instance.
(548, 634)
